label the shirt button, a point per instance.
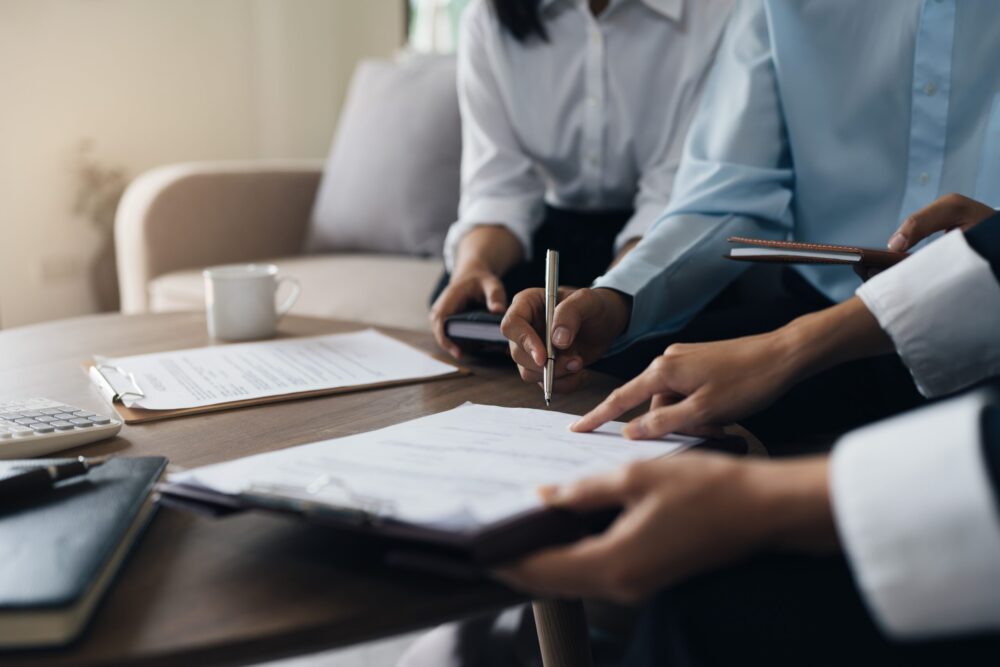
(592, 101)
(925, 178)
(595, 37)
(930, 89)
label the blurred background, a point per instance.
(97, 91)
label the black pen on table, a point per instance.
(551, 294)
(38, 479)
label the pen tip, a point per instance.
(547, 402)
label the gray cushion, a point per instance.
(391, 182)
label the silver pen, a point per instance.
(551, 294)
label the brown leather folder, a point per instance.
(795, 252)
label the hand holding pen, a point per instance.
(582, 327)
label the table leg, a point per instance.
(562, 633)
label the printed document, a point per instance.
(227, 373)
(460, 469)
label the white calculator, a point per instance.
(38, 426)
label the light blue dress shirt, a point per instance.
(826, 121)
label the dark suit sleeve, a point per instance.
(984, 238)
(991, 447)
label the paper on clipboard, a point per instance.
(207, 378)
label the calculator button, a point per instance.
(23, 432)
(62, 425)
(65, 416)
(42, 428)
(45, 419)
(50, 411)
(100, 421)
(81, 422)
(31, 413)
(24, 421)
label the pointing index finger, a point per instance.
(621, 400)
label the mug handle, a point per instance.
(287, 304)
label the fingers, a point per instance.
(519, 327)
(452, 300)
(682, 417)
(593, 493)
(495, 294)
(652, 381)
(561, 385)
(948, 212)
(571, 571)
(445, 343)
(570, 315)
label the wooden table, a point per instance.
(251, 587)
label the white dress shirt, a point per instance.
(911, 495)
(918, 519)
(592, 120)
(941, 308)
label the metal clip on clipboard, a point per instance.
(112, 391)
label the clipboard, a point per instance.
(118, 385)
(462, 554)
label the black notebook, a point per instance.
(477, 332)
(61, 549)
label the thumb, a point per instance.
(945, 213)
(570, 316)
(495, 294)
(607, 490)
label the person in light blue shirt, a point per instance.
(823, 121)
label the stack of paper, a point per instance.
(458, 470)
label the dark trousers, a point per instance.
(782, 610)
(585, 241)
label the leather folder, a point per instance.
(796, 252)
(464, 554)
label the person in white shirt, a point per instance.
(913, 500)
(574, 113)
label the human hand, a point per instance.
(585, 323)
(949, 212)
(681, 515)
(473, 284)
(699, 388)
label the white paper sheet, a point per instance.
(459, 469)
(224, 373)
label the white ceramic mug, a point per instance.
(240, 300)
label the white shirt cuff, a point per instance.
(941, 308)
(918, 519)
(519, 215)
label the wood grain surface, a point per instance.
(247, 588)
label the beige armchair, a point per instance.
(175, 220)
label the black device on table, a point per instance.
(477, 332)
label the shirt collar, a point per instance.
(672, 9)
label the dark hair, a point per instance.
(521, 19)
